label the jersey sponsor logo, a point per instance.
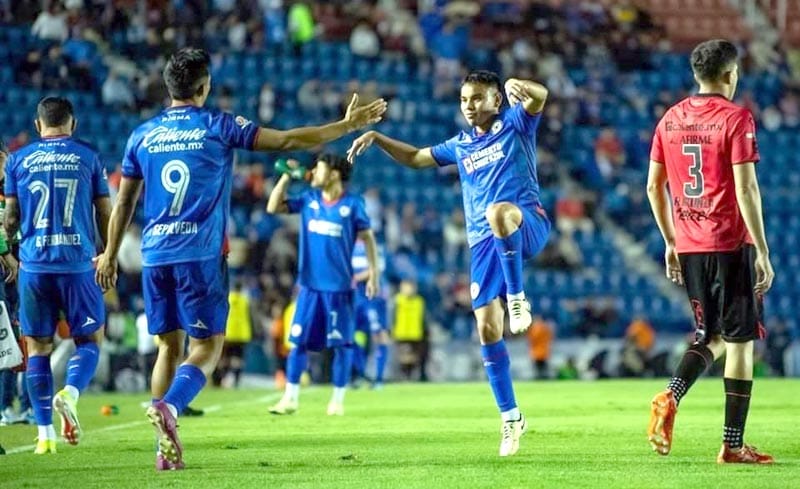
(326, 228)
(177, 227)
(482, 158)
(344, 211)
(360, 262)
(199, 324)
(696, 139)
(242, 122)
(47, 161)
(176, 116)
(49, 240)
(701, 127)
(163, 139)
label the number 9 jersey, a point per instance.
(185, 157)
(56, 181)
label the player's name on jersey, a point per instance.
(49, 240)
(167, 139)
(326, 228)
(177, 227)
(46, 161)
(484, 157)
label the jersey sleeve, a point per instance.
(237, 131)
(99, 179)
(445, 153)
(130, 162)
(742, 137)
(657, 148)
(361, 218)
(522, 121)
(296, 202)
(10, 186)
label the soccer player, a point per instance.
(370, 314)
(331, 220)
(56, 190)
(183, 157)
(506, 224)
(703, 158)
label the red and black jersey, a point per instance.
(699, 139)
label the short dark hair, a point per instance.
(338, 163)
(54, 111)
(484, 77)
(185, 72)
(710, 59)
(3, 148)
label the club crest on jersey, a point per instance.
(242, 122)
(344, 211)
(497, 126)
(474, 290)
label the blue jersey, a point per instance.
(55, 181)
(328, 232)
(185, 157)
(360, 264)
(498, 166)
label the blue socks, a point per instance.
(342, 363)
(359, 360)
(296, 364)
(498, 369)
(381, 356)
(40, 389)
(189, 381)
(509, 250)
(82, 365)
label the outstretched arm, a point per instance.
(308, 137)
(530, 94)
(121, 214)
(403, 153)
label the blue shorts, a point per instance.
(371, 315)
(486, 272)
(192, 296)
(44, 295)
(322, 319)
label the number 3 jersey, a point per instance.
(700, 139)
(55, 181)
(185, 157)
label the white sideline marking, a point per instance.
(122, 426)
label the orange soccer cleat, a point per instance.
(745, 455)
(662, 418)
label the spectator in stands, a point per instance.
(51, 24)
(301, 23)
(540, 342)
(116, 93)
(609, 153)
(266, 103)
(55, 69)
(364, 40)
(455, 239)
(571, 213)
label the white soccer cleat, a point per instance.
(511, 432)
(335, 409)
(519, 313)
(284, 406)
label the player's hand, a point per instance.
(11, 267)
(360, 116)
(373, 286)
(673, 265)
(360, 145)
(764, 274)
(515, 91)
(106, 273)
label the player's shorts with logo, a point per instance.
(322, 319)
(44, 295)
(486, 272)
(371, 315)
(720, 288)
(192, 296)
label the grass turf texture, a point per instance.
(438, 436)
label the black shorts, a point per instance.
(720, 289)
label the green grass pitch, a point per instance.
(583, 434)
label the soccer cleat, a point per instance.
(163, 464)
(745, 455)
(284, 406)
(8, 417)
(66, 407)
(511, 432)
(662, 418)
(335, 409)
(519, 313)
(166, 427)
(44, 447)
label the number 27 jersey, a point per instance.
(699, 140)
(185, 157)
